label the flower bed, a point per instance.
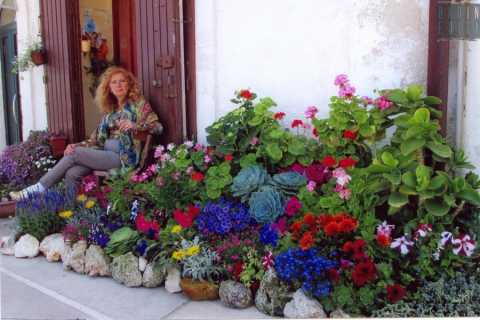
(318, 208)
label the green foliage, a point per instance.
(217, 180)
(24, 61)
(288, 182)
(249, 180)
(266, 205)
(40, 225)
(121, 241)
(202, 266)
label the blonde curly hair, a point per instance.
(104, 98)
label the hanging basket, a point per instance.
(39, 57)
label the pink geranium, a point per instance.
(383, 103)
(311, 112)
(293, 206)
(311, 185)
(343, 193)
(341, 80)
(342, 177)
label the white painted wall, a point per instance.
(32, 87)
(292, 50)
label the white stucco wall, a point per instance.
(32, 87)
(292, 50)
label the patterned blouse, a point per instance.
(139, 112)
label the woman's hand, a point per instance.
(69, 149)
(126, 125)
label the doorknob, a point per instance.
(156, 83)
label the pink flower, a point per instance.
(293, 206)
(298, 168)
(165, 157)
(402, 244)
(158, 151)
(342, 177)
(311, 186)
(383, 103)
(385, 228)
(207, 159)
(341, 80)
(297, 123)
(170, 146)
(268, 260)
(422, 231)
(189, 170)
(307, 126)
(188, 144)
(346, 91)
(176, 175)
(254, 141)
(311, 112)
(280, 225)
(367, 100)
(463, 245)
(343, 193)
(198, 147)
(152, 168)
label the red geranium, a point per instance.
(293, 206)
(147, 227)
(331, 228)
(297, 123)
(333, 275)
(315, 132)
(347, 162)
(279, 115)
(197, 176)
(183, 218)
(395, 293)
(383, 240)
(306, 241)
(348, 134)
(246, 94)
(296, 227)
(364, 272)
(309, 219)
(329, 161)
(337, 223)
(316, 172)
(228, 157)
(237, 270)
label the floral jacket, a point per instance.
(139, 112)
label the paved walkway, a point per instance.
(37, 289)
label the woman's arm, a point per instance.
(147, 120)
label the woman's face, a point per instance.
(119, 86)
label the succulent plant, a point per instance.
(249, 180)
(289, 182)
(266, 205)
(202, 266)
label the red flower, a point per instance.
(347, 162)
(309, 219)
(297, 123)
(246, 94)
(348, 134)
(315, 132)
(316, 172)
(296, 227)
(395, 293)
(193, 211)
(307, 241)
(358, 245)
(333, 275)
(197, 176)
(279, 115)
(348, 225)
(383, 240)
(364, 272)
(329, 161)
(331, 229)
(228, 157)
(182, 218)
(348, 247)
(237, 270)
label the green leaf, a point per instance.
(423, 174)
(470, 195)
(343, 295)
(274, 152)
(414, 92)
(397, 96)
(438, 182)
(394, 177)
(378, 168)
(432, 101)
(413, 132)
(407, 190)
(437, 207)
(248, 160)
(255, 121)
(440, 149)
(305, 160)
(385, 270)
(366, 295)
(367, 131)
(389, 160)
(409, 179)
(421, 115)
(397, 200)
(276, 134)
(297, 148)
(411, 145)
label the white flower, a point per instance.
(422, 231)
(188, 144)
(342, 177)
(445, 238)
(385, 228)
(463, 245)
(170, 146)
(436, 255)
(403, 244)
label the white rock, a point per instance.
(303, 307)
(27, 247)
(172, 283)
(97, 263)
(142, 264)
(339, 313)
(66, 255)
(74, 258)
(52, 247)
(7, 245)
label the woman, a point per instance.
(112, 145)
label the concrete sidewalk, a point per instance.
(37, 289)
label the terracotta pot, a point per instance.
(199, 290)
(39, 57)
(7, 208)
(58, 144)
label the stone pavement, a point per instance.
(37, 289)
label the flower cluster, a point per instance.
(315, 172)
(186, 252)
(269, 235)
(149, 227)
(186, 218)
(306, 267)
(222, 217)
(345, 89)
(384, 232)
(143, 176)
(463, 245)
(337, 224)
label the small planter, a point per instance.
(39, 57)
(199, 290)
(7, 208)
(58, 144)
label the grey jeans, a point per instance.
(78, 164)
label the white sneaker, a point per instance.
(18, 195)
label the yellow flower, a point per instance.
(66, 214)
(193, 250)
(89, 204)
(81, 198)
(176, 229)
(178, 255)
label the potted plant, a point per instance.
(58, 142)
(34, 55)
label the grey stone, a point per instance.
(153, 276)
(52, 247)
(125, 270)
(77, 256)
(142, 264)
(27, 247)
(303, 307)
(272, 295)
(66, 255)
(172, 283)
(7, 245)
(97, 263)
(339, 313)
(235, 295)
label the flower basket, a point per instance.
(39, 57)
(7, 208)
(58, 144)
(198, 290)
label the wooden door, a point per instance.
(158, 62)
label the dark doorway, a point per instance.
(11, 98)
